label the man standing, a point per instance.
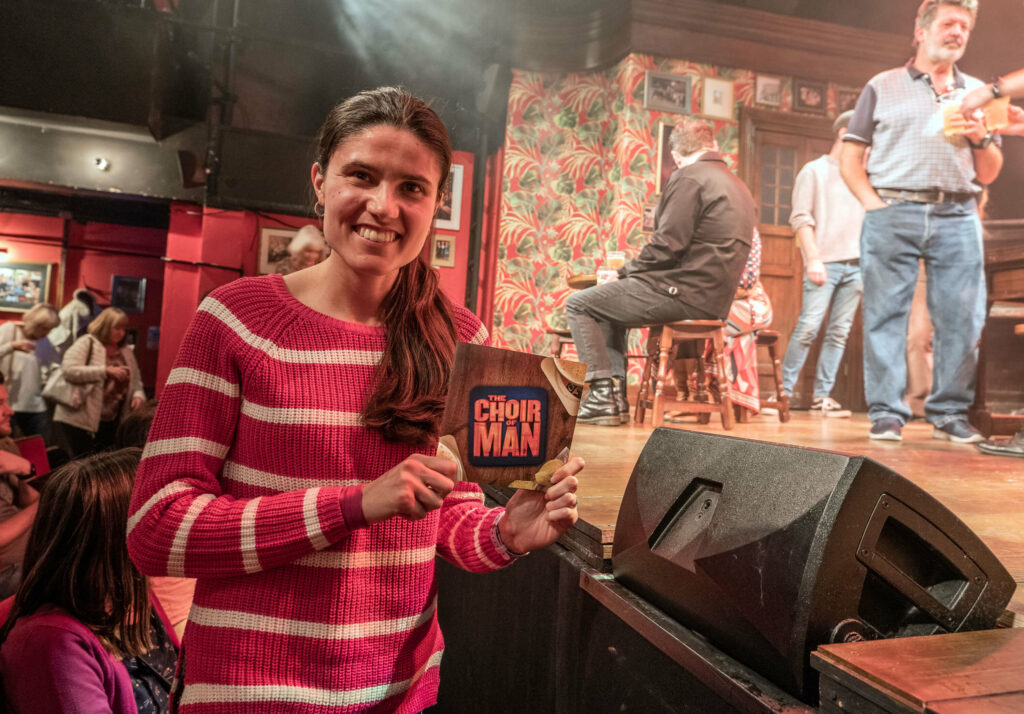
(826, 218)
(919, 191)
(688, 271)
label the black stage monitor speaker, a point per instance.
(771, 550)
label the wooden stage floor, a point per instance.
(986, 492)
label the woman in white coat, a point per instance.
(105, 370)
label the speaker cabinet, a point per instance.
(771, 550)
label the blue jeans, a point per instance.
(841, 291)
(948, 237)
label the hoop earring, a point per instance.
(318, 210)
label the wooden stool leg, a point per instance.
(742, 414)
(780, 394)
(664, 353)
(644, 394)
(728, 418)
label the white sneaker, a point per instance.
(829, 407)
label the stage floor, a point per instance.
(986, 492)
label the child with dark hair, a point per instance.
(82, 633)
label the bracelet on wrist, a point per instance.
(996, 87)
(501, 542)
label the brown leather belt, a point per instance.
(932, 196)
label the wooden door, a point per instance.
(773, 148)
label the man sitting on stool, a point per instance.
(688, 271)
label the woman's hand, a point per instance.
(137, 402)
(535, 520)
(119, 373)
(24, 345)
(411, 490)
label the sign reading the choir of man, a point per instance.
(510, 416)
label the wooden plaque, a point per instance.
(510, 416)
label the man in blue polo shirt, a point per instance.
(919, 191)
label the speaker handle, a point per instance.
(950, 618)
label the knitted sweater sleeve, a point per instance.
(466, 536)
(181, 523)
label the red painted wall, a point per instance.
(453, 279)
(37, 239)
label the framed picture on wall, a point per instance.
(442, 251)
(449, 214)
(846, 98)
(717, 99)
(768, 90)
(128, 293)
(666, 164)
(810, 96)
(23, 285)
(647, 221)
(666, 92)
(274, 248)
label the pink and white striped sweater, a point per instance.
(251, 483)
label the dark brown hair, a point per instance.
(412, 377)
(77, 554)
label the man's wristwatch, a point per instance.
(995, 86)
(984, 143)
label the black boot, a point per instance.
(620, 399)
(599, 406)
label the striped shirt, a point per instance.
(251, 482)
(899, 114)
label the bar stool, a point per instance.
(559, 339)
(769, 339)
(661, 345)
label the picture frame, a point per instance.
(442, 251)
(716, 100)
(274, 248)
(449, 213)
(23, 285)
(666, 164)
(768, 90)
(667, 92)
(846, 98)
(128, 293)
(647, 219)
(810, 96)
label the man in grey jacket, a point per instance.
(688, 271)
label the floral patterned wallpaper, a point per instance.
(580, 161)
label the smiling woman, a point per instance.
(290, 467)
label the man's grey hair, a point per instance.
(929, 8)
(691, 134)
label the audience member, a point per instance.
(827, 220)
(311, 517)
(689, 269)
(920, 192)
(18, 502)
(105, 370)
(21, 369)
(82, 634)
